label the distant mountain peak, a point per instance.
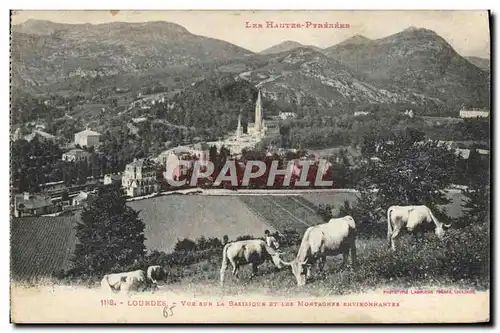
(291, 42)
(418, 31)
(354, 40)
(412, 28)
(288, 45)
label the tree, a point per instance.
(110, 236)
(409, 171)
(477, 196)
(212, 153)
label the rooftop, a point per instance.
(75, 151)
(43, 134)
(88, 132)
(34, 201)
(140, 163)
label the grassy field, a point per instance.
(42, 245)
(461, 262)
(169, 218)
(283, 212)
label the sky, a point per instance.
(466, 31)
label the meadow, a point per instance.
(41, 246)
(170, 218)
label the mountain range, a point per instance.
(482, 63)
(288, 46)
(415, 66)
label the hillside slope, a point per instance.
(304, 77)
(420, 61)
(44, 52)
(482, 63)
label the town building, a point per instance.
(87, 138)
(361, 113)
(41, 135)
(76, 155)
(172, 158)
(81, 199)
(474, 113)
(111, 179)
(287, 115)
(197, 151)
(27, 204)
(409, 113)
(139, 178)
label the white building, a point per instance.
(199, 151)
(139, 178)
(287, 115)
(41, 135)
(474, 113)
(111, 179)
(87, 138)
(80, 199)
(361, 113)
(409, 113)
(76, 155)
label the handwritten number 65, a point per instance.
(167, 311)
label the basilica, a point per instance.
(256, 131)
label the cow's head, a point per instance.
(299, 270)
(440, 230)
(277, 260)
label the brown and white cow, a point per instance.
(410, 217)
(244, 252)
(337, 236)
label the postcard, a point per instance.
(250, 167)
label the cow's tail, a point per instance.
(224, 264)
(389, 226)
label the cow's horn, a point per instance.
(447, 225)
(305, 261)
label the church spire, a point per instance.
(258, 113)
(239, 129)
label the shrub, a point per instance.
(185, 245)
(244, 237)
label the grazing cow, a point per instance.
(337, 236)
(410, 217)
(125, 282)
(244, 252)
(155, 273)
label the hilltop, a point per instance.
(415, 67)
(421, 61)
(288, 46)
(45, 52)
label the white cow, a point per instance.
(244, 252)
(411, 217)
(125, 282)
(337, 236)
